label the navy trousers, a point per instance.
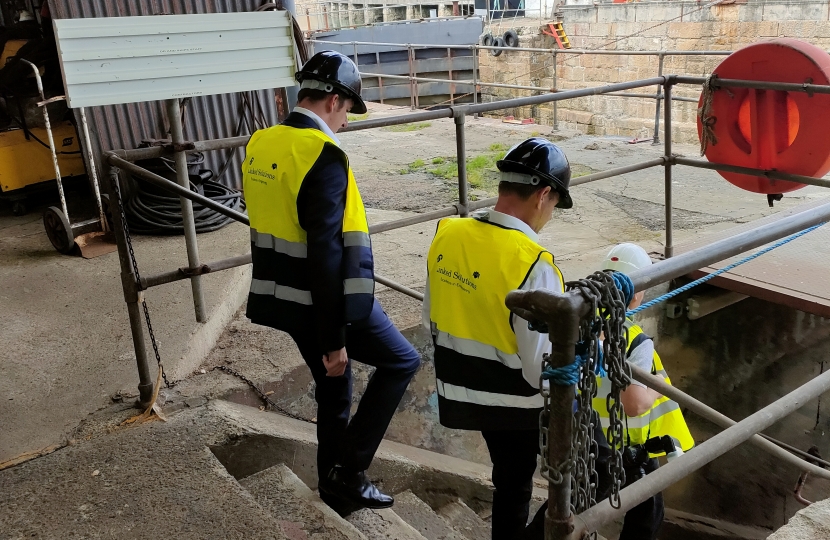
(513, 454)
(376, 342)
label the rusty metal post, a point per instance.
(325, 18)
(460, 116)
(308, 19)
(188, 222)
(562, 313)
(449, 73)
(661, 58)
(555, 88)
(455, 11)
(475, 50)
(411, 82)
(669, 249)
(132, 296)
(415, 82)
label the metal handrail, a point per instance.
(571, 305)
(526, 49)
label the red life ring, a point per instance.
(761, 129)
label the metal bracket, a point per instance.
(180, 147)
(459, 113)
(806, 86)
(196, 271)
(131, 287)
(183, 146)
(461, 209)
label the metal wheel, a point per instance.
(58, 230)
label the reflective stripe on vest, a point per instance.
(489, 399)
(472, 266)
(276, 163)
(664, 417)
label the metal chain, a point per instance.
(607, 319)
(268, 401)
(549, 473)
(117, 190)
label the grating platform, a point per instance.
(796, 274)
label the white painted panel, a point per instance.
(113, 60)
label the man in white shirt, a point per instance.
(487, 361)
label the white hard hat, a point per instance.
(626, 258)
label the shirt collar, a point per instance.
(507, 221)
(319, 121)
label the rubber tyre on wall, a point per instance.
(487, 40)
(497, 42)
(511, 38)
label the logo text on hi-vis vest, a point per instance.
(253, 171)
(458, 279)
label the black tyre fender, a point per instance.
(487, 40)
(511, 38)
(497, 42)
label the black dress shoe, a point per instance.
(353, 487)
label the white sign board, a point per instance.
(113, 60)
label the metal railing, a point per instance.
(327, 16)
(477, 83)
(565, 309)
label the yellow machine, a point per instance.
(27, 162)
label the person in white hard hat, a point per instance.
(654, 424)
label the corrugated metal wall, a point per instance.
(206, 117)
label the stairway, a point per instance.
(302, 515)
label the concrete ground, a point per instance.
(66, 340)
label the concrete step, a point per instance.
(299, 510)
(463, 519)
(383, 525)
(419, 514)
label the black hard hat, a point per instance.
(544, 162)
(336, 72)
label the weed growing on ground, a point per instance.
(357, 117)
(412, 167)
(481, 169)
(408, 127)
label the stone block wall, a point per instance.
(646, 26)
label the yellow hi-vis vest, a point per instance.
(276, 163)
(472, 266)
(664, 417)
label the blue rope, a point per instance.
(569, 375)
(706, 278)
